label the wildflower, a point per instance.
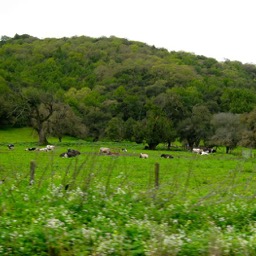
(230, 229)
(89, 233)
(25, 198)
(54, 223)
(120, 191)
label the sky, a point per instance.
(221, 29)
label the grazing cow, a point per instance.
(30, 149)
(10, 146)
(143, 155)
(50, 147)
(104, 150)
(166, 156)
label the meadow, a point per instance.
(110, 205)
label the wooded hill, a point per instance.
(116, 89)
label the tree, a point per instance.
(6, 112)
(227, 130)
(7, 115)
(64, 122)
(115, 129)
(129, 128)
(155, 129)
(189, 96)
(172, 105)
(96, 121)
(5, 38)
(238, 100)
(40, 106)
(195, 128)
(249, 132)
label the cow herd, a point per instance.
(200, 151)
(106, 151)
(69, 153)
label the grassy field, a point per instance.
(109, 205)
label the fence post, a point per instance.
(156, 175)
(32, 172)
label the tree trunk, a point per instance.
(152, 146)
(42, 137)
(227, 149)
(190, 145)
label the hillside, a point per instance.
(107, 85)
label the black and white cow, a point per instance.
(31, 149)
(10, 146)
(50, 147)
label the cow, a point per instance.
(30, 149)
(205, 150)
(70, 153)
(10, 146)
(50, 147)
(197, 150)
(145, 156)
(166, 156)
(73, 152)
(64, 155)
(42, 149)
(210, 150)
(104, 150)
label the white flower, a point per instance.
(54, 223)
(26, 198)
(120, 191)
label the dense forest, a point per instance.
(116, 89)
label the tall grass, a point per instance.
(108, 205)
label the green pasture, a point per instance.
(187, 172)
(97, 204)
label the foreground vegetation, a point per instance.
(109, 205)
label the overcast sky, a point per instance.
(222, 29)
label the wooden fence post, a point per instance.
(156, 175)
(32, 172)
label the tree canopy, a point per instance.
(118, 89)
